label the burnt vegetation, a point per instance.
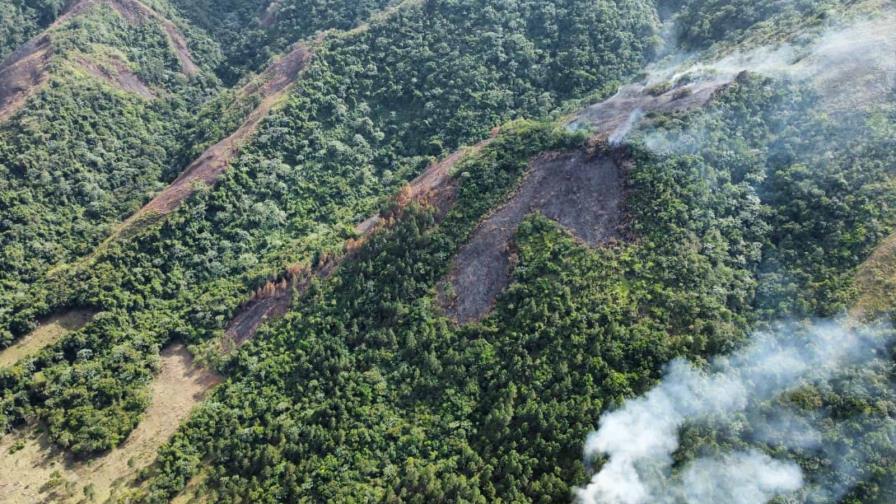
(426, 244)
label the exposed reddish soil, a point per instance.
(581, 192)
(434, 187)
(117, 74)
(25, 70)
(22, 74)
(209, 167)
(273, 300)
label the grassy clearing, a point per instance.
(32, 470)
(47, 333)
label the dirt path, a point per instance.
(38, 472)
(47, 333)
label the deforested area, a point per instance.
(592, 251)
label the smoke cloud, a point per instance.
(618, 135)
(638, 440)
(855, 60)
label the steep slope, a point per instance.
(93, 108)
(31, 472)
(20, 21)
(24, 71)
(436, 188)
(251, 32)
(311, 170)
(270, 87)
(726, 223)
(399, 328)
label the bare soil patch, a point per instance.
(209, 167)
(32, 470)
(434, 187)
(22, 74)
(117, 74)
(612, 118)
(25, 70)
(875, 282)
(581, 192)
(272, 300)
(48, 332)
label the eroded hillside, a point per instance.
(398, 317)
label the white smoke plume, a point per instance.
(855, 60)
(850, 64)
(619, 133)
(639, 439)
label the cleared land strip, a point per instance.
(46, 333)
(33, 470)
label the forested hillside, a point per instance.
(601, 187)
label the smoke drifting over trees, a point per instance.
(640, 439)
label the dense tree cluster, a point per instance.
(378, 395)
(370, 112)
(249, 33)
(739, 214)
(83, 154)
(22, 19)
(700, 23)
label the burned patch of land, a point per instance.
(117, 74)
(22, 74)
(435, 187)
(583, 193)
(612, 118)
